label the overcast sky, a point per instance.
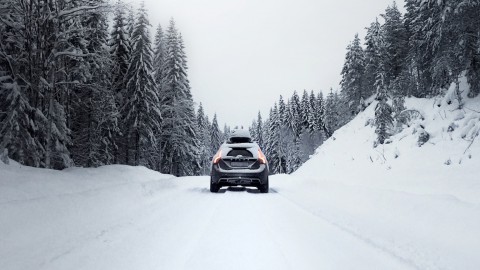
(243, 54)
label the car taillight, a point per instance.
(261, 157)
(217, 157)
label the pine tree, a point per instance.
(179, 143)
(284, 136)
(159, 55)
(216, 136)
(120, 52)
(312, 116)
(320, 112)
(252, 129)
(294, 119)
(383, 111)
(305, 113)
(94, 123)
(293, 116)
(272, 149)
(226, 132)
(420, 57)
(141, 113)
(259, 131)
(352, 76)
(461, 22)
(330, 117)
(307, 140)
(18, 125)
(395, 43)
(372, 58)
(130, 26)
(203, 134)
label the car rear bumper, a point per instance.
(244, 177)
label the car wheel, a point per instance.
(264, 188)
(214, 188)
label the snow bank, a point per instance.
(45, 213)
(419, 203)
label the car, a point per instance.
(239, 162)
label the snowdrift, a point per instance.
(45, 214)
(417, 200)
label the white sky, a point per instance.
(243, 54)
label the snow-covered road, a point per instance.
(240, 229)
(177, 224)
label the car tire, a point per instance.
(214, 188)
(264, 187)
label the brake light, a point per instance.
(261, 157)
(217, 157)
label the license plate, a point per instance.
(239, 164)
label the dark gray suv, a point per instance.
(239, 162)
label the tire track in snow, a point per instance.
(195, 242)
(270, 229)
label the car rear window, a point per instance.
(240, 140)
(239, 152)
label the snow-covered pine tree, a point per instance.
(106, 128)
(383, 111)
(293, 116)
(252, 129)
(319, 114)
(305, 113)
(312, 117)
(190, 139)
(66, 73)
(267, 135)
(285, 136)
(395, 42)
(420, 56)
(215, 135)
(159, 55)
(93, 110)
(158, 62)
(120, 49)
(226, 132)
(293, 160)
(130, 25)
(372, 58)
(16, 126)
(330, 119)
(17, 116)
(307, 139)
(203, 133)
(141, 111)
(79, 111)
(343, 112)
(120, 52)
(179, 142)
(352, 77)
(459, 40)
(272, 150)
(259, 131)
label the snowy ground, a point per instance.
(97, 219)
(118, 217)
(352, 206)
